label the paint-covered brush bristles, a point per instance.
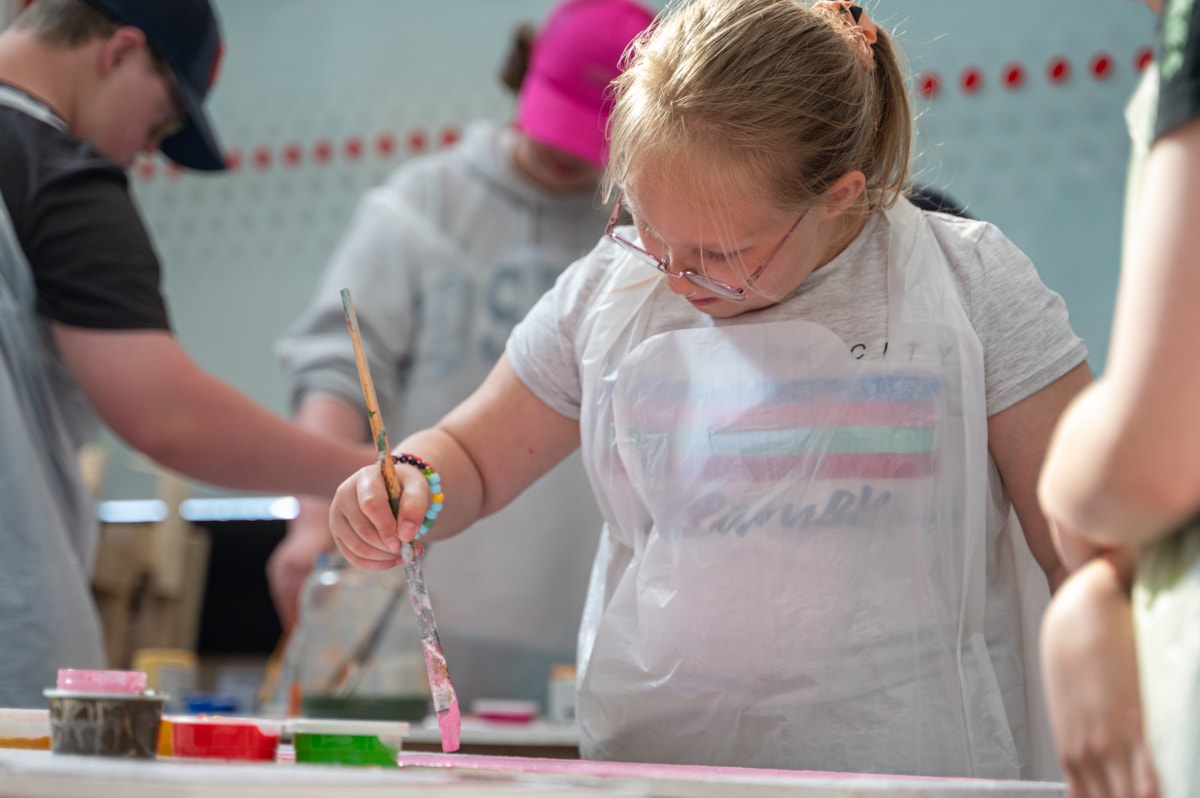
(445, 703)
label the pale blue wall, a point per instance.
(242, 251)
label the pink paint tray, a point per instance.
(497, 710)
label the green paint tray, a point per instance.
(347, 742)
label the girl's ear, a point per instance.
(124, 42)
(844, 192)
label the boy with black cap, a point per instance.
(85, 85)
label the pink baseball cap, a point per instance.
(564, 99)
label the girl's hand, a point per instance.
(361, 520)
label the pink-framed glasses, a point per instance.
(724, 290)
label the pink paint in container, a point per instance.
(88, 681)
(504, 710)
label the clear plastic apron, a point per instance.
(794, 572)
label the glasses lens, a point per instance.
(723, 290)
(178, 104)
(169, 129)
(642, 255)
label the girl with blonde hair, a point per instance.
(813, 417)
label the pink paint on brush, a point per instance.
(445, 703)
(450, 725)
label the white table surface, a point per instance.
(40, 774)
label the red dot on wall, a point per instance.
(322, 151)
(145, 170)
(929, 85)
(416, 141)
(449, 136)
(172, 170)
(1142, 58)
(972, 80)
(385, 145)
(292, 154)
(353, 148)
(1058, 70)
(1014, 76)
(1102, 66)
(262, 158)
(233, 160)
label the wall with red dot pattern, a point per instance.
(1019, 118)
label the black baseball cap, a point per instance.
(185, 34)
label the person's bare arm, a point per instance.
(159, 401)
(490, 448)
(1018, 438)
(1124, 466)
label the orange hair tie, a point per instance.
(854, 16)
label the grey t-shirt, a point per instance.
(1023, 325)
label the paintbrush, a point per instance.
(445, 703)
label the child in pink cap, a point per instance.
(564, 101)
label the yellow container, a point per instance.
(25, 728)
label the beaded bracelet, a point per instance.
(435, 487)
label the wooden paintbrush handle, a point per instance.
(390, 479)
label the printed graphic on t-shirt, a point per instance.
(839, 446)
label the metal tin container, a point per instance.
(105, 724)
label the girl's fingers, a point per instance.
(358, 551)
(1145, 782)
(354, 518)
(1118, 775)
(414, 503)
(379, 527)
(1094, 783)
